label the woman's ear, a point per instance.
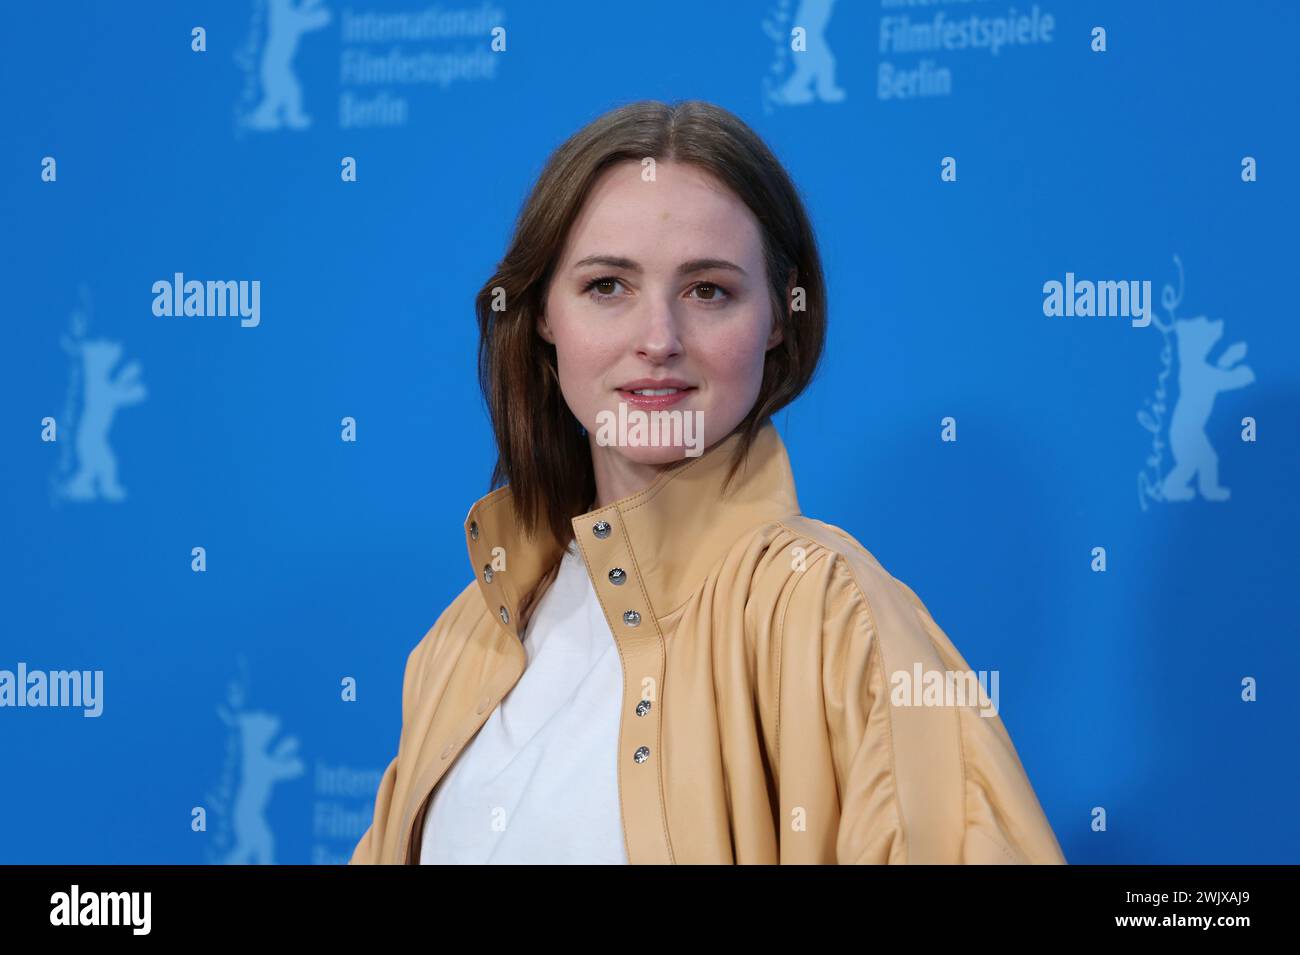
(777, 335)
(544, 329)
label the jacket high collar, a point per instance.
(664, 538)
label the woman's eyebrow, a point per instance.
(686, 268)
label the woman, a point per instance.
(660, 659)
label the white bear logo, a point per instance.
(813, 75)
(104, 393)
(281, 103)
(1199, 383)
(262, 767)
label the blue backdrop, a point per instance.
(1143, 640)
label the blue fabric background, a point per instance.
(328, 560)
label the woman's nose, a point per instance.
(658, 337)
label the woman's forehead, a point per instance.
(683, 214)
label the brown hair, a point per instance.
(541, 450)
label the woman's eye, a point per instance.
(599, 285)
(716, 293)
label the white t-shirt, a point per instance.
(538, 783)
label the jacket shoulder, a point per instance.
(458, 618)
(839, 564)
(829, 567)
(812, 574)
(466, 604)
(915, 783)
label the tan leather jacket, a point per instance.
(760, 650)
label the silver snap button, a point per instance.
(643, 708)
(631, 618)
(642, 754)
(505, 615)
(617, 576)
(601, 529)
(473, 530)
(487, 573)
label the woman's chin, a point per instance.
(655, 454)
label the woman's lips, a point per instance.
(654, 402)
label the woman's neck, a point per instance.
(617, 477)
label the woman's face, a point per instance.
(662, 286)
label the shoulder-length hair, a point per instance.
(541, 448)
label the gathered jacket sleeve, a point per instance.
(912, 783)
